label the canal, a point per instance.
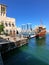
(36, 52)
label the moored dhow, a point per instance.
(40, 31)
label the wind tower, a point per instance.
(3, 10)
(8, 22)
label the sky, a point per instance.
(28, 11)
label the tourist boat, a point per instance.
(40, 31)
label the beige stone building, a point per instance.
(9, 23)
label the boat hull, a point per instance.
(41, 34)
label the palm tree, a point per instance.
(1, 28)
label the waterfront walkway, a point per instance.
(8, 43)
(8, 39)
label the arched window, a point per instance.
(9, 24)
(17, 32)
(14, 31)
(12, 24)
(6, 24)
(7, 31)
(10, 30)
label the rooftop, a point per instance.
(3, 4)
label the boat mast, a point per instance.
(41, 24)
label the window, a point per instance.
(7, 31)
(3, 11)
(6, 24)
(9, 24)
(10, 31)
(13, 30)
(12, 24)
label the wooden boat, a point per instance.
(40, 31)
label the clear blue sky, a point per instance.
(28, 11)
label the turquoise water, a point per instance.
(36, 52)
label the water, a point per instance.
(36, 52)
(1, 63)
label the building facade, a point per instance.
(9, 23)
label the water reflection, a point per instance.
(40, 41)
(34, 53)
